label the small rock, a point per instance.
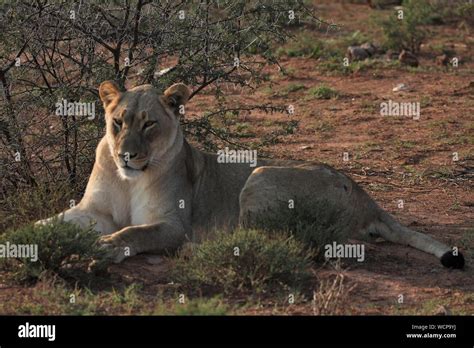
(362, 52)
(408, 58)
(355, 53)
(162, 72)
(400, 87)
(306, 147)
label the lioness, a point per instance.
(150, 190)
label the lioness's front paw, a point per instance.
(44, 222)
(117, 249)
(51, 220)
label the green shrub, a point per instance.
(290, 127)
(457, 12)
(322, 92)
(315, 224)
(465, 11)
(245, 261)
(407, 33)
(197, 306)
(303, 45)
(62, 248)
(355, 38)
(294, 87)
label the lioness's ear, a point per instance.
(108, 92)
(176, 95)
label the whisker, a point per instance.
(154, 162)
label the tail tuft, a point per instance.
(452, 261)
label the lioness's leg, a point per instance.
(391, 230)
(84, 219)
(155, 238)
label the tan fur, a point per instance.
(141, 209)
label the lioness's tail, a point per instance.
(391, 230)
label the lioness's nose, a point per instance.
(127, 155)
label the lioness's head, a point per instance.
(142, 125)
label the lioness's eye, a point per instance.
(118, 122)
(148, 124)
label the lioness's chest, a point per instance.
(143, 205)
(148, 204)
(133, 206)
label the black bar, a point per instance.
(195, 330)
